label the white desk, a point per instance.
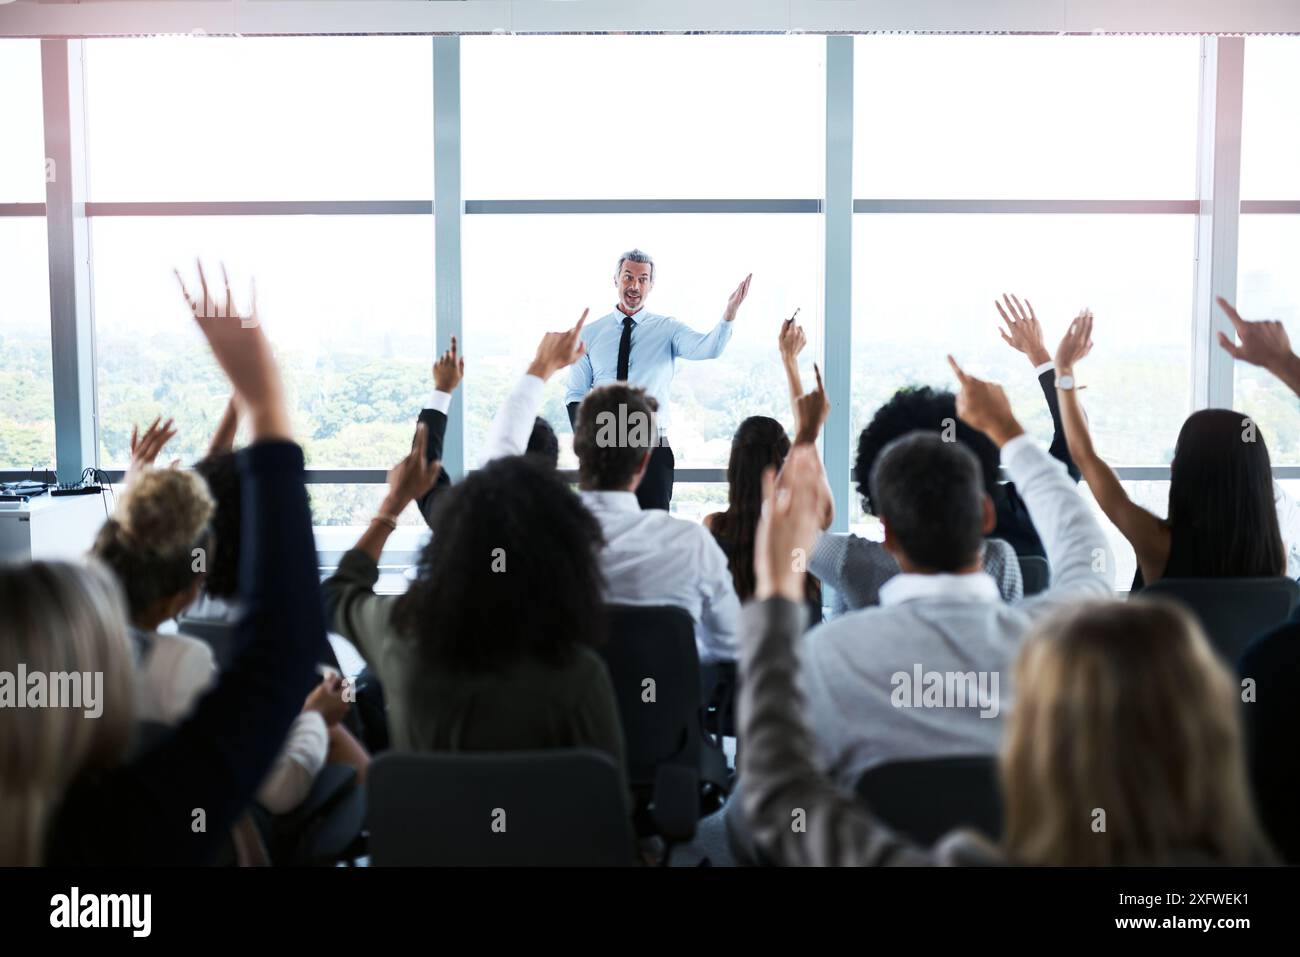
(51, 528)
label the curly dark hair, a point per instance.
(607, 462)
(512, 572)
(919, 408)
(221, 473)
(543, 443)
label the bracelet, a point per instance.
(385, 520)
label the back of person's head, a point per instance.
(511, 573)
(543, 443)
(221, 473)
(759, 442)
(930, 495)
(151, 542)
(66, 623)
(1124, 745)
(616, 428)
(1221, 509)
(912, 409)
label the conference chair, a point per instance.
(217, 635)
(1035, 573)
(1272, 663)
(655, 670)
(1232, 610)
(925, 799)
(563, 807)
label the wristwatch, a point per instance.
(1065, 382)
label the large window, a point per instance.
(192, 119)
(347, 300)
(1268, 274)
(642, 117)
(26, 372)
(525, 275)
(1025, 117)
(1063, 169)
(1033, 124)
(559, 119)
(925, 286)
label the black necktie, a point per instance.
(624, 348)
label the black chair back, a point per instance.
(655, 669)
(1232, 610)
(927, 798)
(217, 635)
(1035, 573)
(562, 807)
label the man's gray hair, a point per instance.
(636, 256)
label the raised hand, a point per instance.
(788, 525)
(412, 476)
(1023, 331)
(737, 297)
(241, 348)
(448, 370)
(810, 411)
(223, 439)
(984, 406)
(558, 350)
(1076, 343)
(145, 448)
(791, 340)
(1264, 343)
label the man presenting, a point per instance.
(636, 346)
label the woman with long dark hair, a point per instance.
(1222, 520)
(760, 443)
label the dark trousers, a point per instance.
(656, 488)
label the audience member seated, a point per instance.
(515, 429)
(158, 544)
(1222, 519)
(155, 544)
(856, 568)
(943, 615)
(760, 442)
(491, 648)
(1122, 710)
(650, 556)
(71, 795)
(318, 737)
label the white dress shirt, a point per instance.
(653, 558)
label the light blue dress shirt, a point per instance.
(657, 343)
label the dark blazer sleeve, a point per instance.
(175, 804)
(1059, 448)
(437, 426)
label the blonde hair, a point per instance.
(59, 617)
(150, 542)
(1124, 745)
